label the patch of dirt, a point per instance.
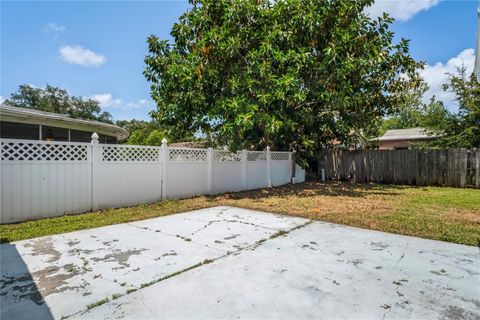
(43, 246)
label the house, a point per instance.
(403, 138)
(21, 123)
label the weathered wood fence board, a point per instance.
(452, 167)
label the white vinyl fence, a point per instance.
(42, 179)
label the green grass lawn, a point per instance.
(447, 214)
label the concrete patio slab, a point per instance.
(235, 263)
(57, 276)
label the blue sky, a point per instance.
(96, 48)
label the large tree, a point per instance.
(294, 74)
(57, 100)
(413, 112)
(150, 133)
(458, 129)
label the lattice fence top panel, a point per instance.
(278, 155)
(256, 156)
(187, 155)
(223, 156)
(128, 153)
(40, 151)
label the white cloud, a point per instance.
(402, 10)
(107, 101)
(51, 26)
(81, 56)
(2, 99)
(436, 75)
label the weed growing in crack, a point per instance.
(183, 238)
(98, 303)
(260, 241)
(116, 296)
(146, 284)
(278, 234)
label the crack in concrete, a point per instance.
(251, 224)
(175, 236)
(403, 256)
(399, 282)
(209, 223)
(386, 312)
(222, 211)
(146, 307)
(204, 227)
(403, 252)
(207, 261)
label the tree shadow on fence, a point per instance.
(20, 298)
(318, 188)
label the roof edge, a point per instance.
(30, 115)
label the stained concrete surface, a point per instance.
(227, 262)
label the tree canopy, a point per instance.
(413, 112)
(150, 133)
(57, 100)
(458, 129)
(289, 74)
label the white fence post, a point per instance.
(164, 168)
(269, 182)
(292, 158)
(210, 159)
(244, 169)
(96, 158)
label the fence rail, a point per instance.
(452, 167)
(41, 179)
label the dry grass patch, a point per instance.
(447, 214)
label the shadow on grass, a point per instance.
(316, 188)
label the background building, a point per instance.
(403, 138)
(21, 123)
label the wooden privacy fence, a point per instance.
(452, 167)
